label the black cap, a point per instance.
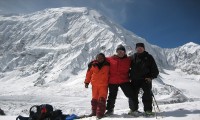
(121, 47)
(140, 45)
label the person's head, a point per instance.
(140, 48)
(100, 57)
(121, 51)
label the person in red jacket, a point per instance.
(97, 74)
(119, 77)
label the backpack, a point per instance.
(40, 112)
(43, 112)
(2, 112)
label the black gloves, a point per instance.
(86, 85)
(148, 80)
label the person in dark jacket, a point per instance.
(143, 71)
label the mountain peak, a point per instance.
(190, 47)
(191, 44)
(67, 9)
(83, 10)
(185, 57)
(57, 41)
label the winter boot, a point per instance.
(101, 107)
(109, 112)
(135, 113)
(94, 107)
(149, 113)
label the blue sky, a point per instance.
(166, 23)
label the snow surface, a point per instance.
(44, 57)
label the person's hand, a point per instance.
(148, 80)
(86, 85)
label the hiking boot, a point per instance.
(149, 113)
(101, 107)
(94, 107)
(135, 113)
(109, 112)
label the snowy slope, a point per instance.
(80, 104)
(44, 57)
(186, 57)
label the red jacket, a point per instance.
(119, 69)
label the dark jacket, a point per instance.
(143, 66)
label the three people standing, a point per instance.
(139, 68)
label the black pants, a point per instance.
(113, 89)
(146, 97)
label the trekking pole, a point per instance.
(154, 99)
(154, 107)
(155, 102)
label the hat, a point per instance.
(121, 47)
(140, 45)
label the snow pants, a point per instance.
(146, 97)
(99, 92)
(113, 89)
(99, 95)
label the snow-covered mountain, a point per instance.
(46, 53)
(186, 58)
(57, 41)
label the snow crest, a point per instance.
(185, 57)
